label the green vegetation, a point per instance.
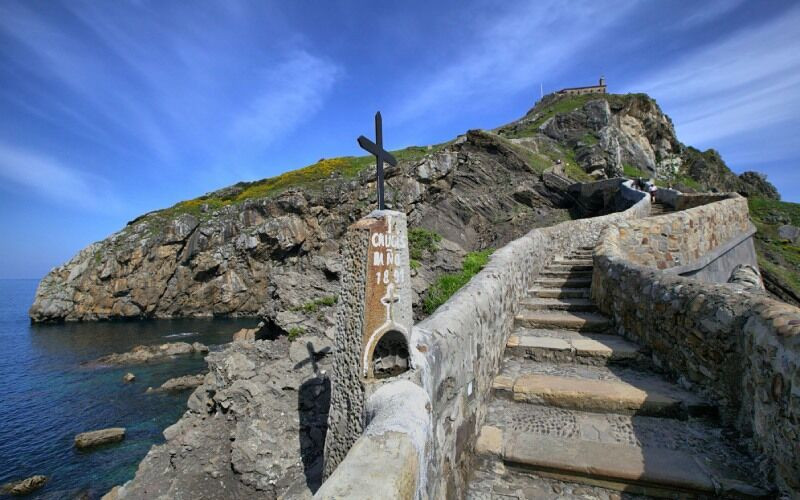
(633, 172)
(314, 305)
(680, 179)
(295, 332)
(309, 177)
(687, 181)
(589, 139)
(539, 162)
(420, 240)
(448, 284)
(779, 257)
(414, 264)
(565, 104)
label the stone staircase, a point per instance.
(659, 208)
(580, 412)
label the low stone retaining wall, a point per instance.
(455, 355)
(683, 237)
(740, 349)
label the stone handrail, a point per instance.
(455, 355)
(740, 349)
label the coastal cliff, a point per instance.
(270, 248)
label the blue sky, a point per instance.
(112, 109)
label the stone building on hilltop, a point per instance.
(600, 88)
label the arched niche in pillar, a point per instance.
(389, 355)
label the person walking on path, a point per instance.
(652, 190)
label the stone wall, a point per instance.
(684, 237)
(741, 349)
(456, 353)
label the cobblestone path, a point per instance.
(579, 412)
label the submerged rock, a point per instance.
(146, 354)
(102, 436)
(25, 486)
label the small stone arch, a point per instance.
(390, 357)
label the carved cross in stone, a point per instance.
(389, 300)
(376, 148)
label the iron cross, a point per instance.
(380, 154)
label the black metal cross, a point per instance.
(380, 154)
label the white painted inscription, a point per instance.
(385, 246)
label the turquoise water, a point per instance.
(47, 396)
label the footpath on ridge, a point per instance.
(578, 410)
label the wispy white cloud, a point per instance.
(175, 83)
(747, 81)
(56, 182)
(706, 12)
(290, 93)
(523, 45)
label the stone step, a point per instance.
(564, 282)
(599, 389)
(626, 466)
(560, 293)
(571, 265)
(564, 304)
(579, 256)
(590, 349)
(579, 321)
(550, 272)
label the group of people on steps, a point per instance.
(648, 186)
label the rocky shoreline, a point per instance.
(255, 428)
(150, 354)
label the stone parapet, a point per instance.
(683, 237)
(455, 354)
(741, 349)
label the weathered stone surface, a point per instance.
(180, 383)
(128, 377)
(245, 335)
(593, 395)
(25, 486)
(102, 436)
(149, 354)
(113, 494)
(727, 343)
(384, 466)
(748, 277)
(458, 349)
(273, 256)
(789, 232)
(663, 467)
(490, 441)
(583, 322)
(373, 324)
(254, 429)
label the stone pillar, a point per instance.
(373, 324)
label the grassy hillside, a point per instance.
(779, 259)
(310, 177)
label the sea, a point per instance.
(48, 393)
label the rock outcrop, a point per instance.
(149, 354)
(254, 429)
(270, 248)
(180, 383)
(611, 135)
(96, 438)
(239, 252)
(24, 486)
